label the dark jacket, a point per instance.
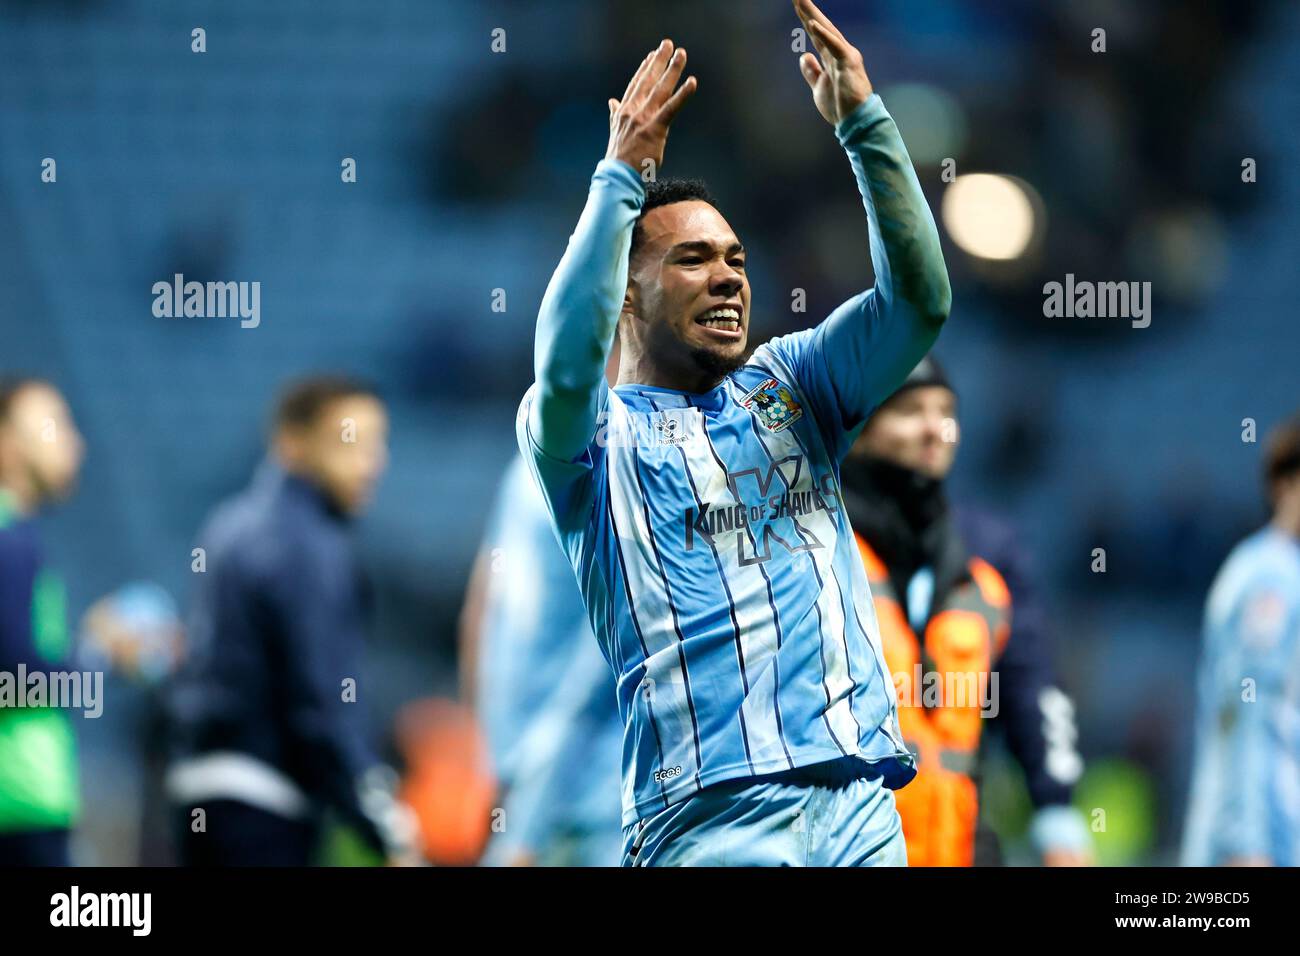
(275, 631)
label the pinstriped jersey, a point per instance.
(722, 578)
(707, 531)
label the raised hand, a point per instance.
(839, 82)
(638, 123)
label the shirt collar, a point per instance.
(656, 397)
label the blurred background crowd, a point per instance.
(472, 165)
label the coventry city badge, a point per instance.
(773, 403)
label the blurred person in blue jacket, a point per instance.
(953, 590)
(1245, 798)
(267, 727)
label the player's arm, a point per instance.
(873, 340)
(579, 312)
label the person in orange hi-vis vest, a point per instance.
(962, 634)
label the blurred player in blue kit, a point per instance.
(542, 691)
(698, 500)
(1245, 801)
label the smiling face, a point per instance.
(685, 319)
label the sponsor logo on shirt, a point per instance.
(763, 510)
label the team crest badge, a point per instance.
(773, 403)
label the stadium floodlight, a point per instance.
(990, 216)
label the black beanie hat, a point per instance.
(927, 372)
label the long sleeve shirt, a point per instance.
(714, 558)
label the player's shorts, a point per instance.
(837, 813)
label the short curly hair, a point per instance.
(665, 192)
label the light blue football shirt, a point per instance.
(1245, 799)
(712, 551)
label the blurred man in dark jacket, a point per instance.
(963, 635)
(268, 726)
